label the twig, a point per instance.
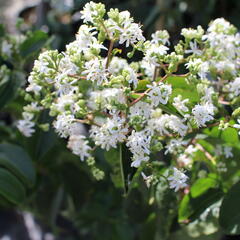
(109, 53)
(207, 154)
(145, 93)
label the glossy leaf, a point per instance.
(203, 193)
(112, 157)
(8, 89)
(10, 187)
(16, 160)
(229, 218)
(33, 43)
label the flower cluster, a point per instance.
(165, 99)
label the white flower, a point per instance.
(6, 48)
(106, 99)
(161, 37)
(190, 33)
(227, 151)
(95, 71)
(64, 84)
(208, 92)
(79, 146)
(63, 124)
(220, 25)
(33, 87)
(64, 101)
(147, 179)
(203, 113)
(89, 12)
(175, 145)
(190, 150)
(197, 65)
(153, 52)
(132, 78)
(166, 122)
(139, 145)
(25, 126)
(117, 65)
(218, 150)
(221, 167)
(131, 34)
(237, 126)
(193, 49)
(148, 68)
(33, 107)
(159, 93)
(179, 104)
(113, 131)
(235, 87)
(140, 109)
(177, 180)
(184, 160)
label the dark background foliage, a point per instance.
(65, 198)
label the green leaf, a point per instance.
(229, 218)
(16, 160)
(11, 188)
(2, 30)
(33, 43)
(181, 87)
(135, 95)
(112, 156)
(8, 89)
(142, 85)
(203, 193)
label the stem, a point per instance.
(144, 94)
(109, 53)
(207, 154)
(122, 170)
(155, 73)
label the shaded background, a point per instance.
(96, 210)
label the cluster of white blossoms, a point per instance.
(164, 99)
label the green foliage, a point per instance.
(203, 193)
(11, 188)
(34, 42)
(17, 161)
(229, 218)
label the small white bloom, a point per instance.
(227, 151)
(235, 87)
(25, 126)
(179, 104)
(132, 78)
(140, 109)
(159, 93)
(131, 34)
(89, 12)
(63, 124)
(6, 48)
(95, 71)
(193, 49)
(139, 145)
(147, 179)
(174, 145)
(191, 33)
(33, 87)
(177, 180)
(184, 160)
(203, 113)
(112, 132)
(166, 122)
(160, 37)
(79, 146)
